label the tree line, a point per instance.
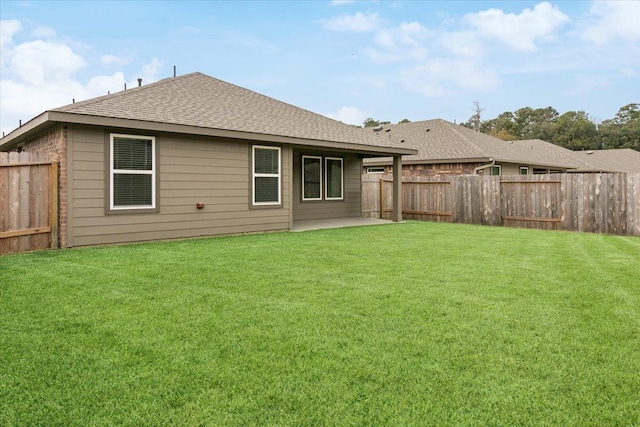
(573, 130)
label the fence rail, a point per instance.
(598, 203)
(28, 201)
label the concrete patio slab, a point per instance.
(337, 223)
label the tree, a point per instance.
(369, 122)
(501, 127)
(404, 121)
(575, 131)
(623, 131)
(476, 119)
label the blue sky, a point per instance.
(345, 59)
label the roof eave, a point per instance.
(85, 119)
(19, 134)
(385, 162)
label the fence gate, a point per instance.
(28, 201)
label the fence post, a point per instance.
(381, 198)
(54, 206)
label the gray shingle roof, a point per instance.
(442, 141)
(199, 100)
(618, 160)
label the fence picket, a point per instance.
(26, 201)
(600, 203)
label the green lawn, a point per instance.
(406, 324)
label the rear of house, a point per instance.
(194, 156)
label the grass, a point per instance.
(406, 324)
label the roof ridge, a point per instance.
(123, 92)
(452, 126)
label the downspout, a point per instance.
(488, 165)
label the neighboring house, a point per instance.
(617, 160)
(445, 148)
(195, 156)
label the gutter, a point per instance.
(488, 165)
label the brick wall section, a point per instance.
(54, 140)
(436, 169)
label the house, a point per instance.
(616, 160)
(445, 148)
(195, 156)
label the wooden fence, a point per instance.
(28, 201)
(597, 203)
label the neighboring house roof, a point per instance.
(440, 141)
(616, 160)
(198, 104)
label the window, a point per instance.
(311, 178)
(132, 172)
(322, 181)
(376, 169)
(495, 170)
(333, 178)
(524, 170)
(266, 174)
(539, 171)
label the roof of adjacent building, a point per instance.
(440, 141)
(615, 160)
(199, 104)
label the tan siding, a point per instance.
(211, 171)
(349, 207)
(510, 169)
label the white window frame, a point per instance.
(499, 170)
(379, 169)
(113, 172)
(525, 169)
(255, 175)
(326, 182)
(321, 186)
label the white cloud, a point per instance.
(43, 32)
(358, 23)
(113, 60)
(38, 75)
(349, 115)
(462, 43)
(149, 72)
(402, 43)
(613, 20)
(340, 2)
(407, 33)
(440, 77)
(101, 85)
(37, 62)
(8, 28)
(519, 31)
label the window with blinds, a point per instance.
(333, 180)
(266, 171)
(133, 171)
(311, 178)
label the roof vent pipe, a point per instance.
(139, 82)
(174, 71)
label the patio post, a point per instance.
(397, 188)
